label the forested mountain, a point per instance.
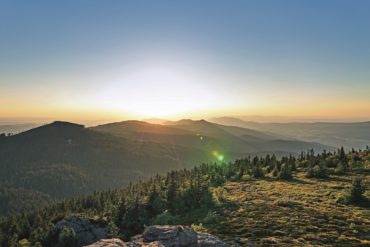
(349, 135)
(62, 159)
(309, 200)
(235, 141)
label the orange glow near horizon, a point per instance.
(172, 92)
(79, 114)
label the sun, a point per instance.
(158, 91)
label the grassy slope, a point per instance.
(291, 213)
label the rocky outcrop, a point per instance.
(166, 236)
(86, 230)
(208, 240)
(113, 242)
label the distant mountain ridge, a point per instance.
(187, 132)
(349, 135)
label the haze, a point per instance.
(98, 60)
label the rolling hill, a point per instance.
(247, 140)
(209, 136)
(349, 135)
(62, 159)
(245, 203)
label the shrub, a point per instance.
(317, 172)
(340, 170)
(212, 218)
(198, 228)
(275, 172)
(67, 238)
(217, 180)
(219, 195)
(24, 243)
(293, 167)
(285, 172)
(165, 218)
(356, 191)
(257, 172)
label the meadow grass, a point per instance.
(300, 212)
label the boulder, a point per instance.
(170, 235)
(87, 230)
(167, 236)
(114, 242)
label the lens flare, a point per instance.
(220, 157)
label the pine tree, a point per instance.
(171, 192)
(134, 220)
(241, 171)
(339, 170)
(318, 171)
(257, 171)
(285, 172)
(356, 191)
(119, 212)
(155, 204)
(275, 171)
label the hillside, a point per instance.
(349, 135)
(249, 140)
(233, 141)
(206, 137)
(268, 201)
(304, 212)
(62, 159)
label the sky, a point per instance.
(102, 60)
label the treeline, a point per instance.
(177, 197)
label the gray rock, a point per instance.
(161, 233)
(244, 242)
(114, 242)
(187, 237)
(87, 230)
(169, 236)
(208, 240)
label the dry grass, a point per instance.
(302, 212)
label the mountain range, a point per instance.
(63, 159)
(349, 135)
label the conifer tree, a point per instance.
(285, 172)
(171, 192)
(356, 191)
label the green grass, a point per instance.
(301, 212)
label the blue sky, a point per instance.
(252, 56)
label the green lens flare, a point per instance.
(220, 157)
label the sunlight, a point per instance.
(159, 91)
